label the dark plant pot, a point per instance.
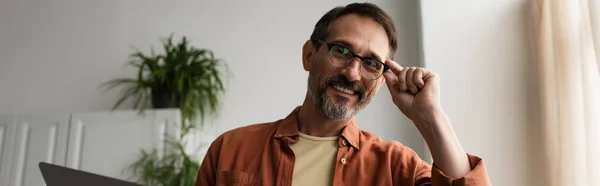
(163, 99)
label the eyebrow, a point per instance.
(349, 45)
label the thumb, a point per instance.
(392, 82)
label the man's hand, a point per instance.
(415, 91)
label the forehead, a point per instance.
(366, 35)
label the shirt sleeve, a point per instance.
(432, 175)
(208, 168)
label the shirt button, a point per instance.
(343, 161)
(344, 142)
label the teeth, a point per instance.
(345, 90)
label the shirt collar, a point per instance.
(288, 127)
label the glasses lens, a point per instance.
(371, 68)
(340, 55)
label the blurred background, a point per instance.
(55, 55)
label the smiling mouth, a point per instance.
(344, 90)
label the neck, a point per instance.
(312, 122)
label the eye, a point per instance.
(341, 51)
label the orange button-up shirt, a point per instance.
(260, 155)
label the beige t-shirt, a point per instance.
(315, 160)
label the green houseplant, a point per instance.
(182, 77)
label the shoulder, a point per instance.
(252, 130)
(244, 136)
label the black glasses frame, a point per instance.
(331, 45)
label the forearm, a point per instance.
(447, 153)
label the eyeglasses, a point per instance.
(341, 56)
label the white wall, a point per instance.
(481, 51)
(55, 54)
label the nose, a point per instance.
(352, 71)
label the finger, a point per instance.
(402, 80)
(418, 78)
(392, 82)
(409, 79)
(394, 67)
(430, 77)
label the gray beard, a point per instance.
(335, 111)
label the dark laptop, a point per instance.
(55, 175)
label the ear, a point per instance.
(307, 52)
(380, 82)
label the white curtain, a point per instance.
(567, 46)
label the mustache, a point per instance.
(341, 80)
